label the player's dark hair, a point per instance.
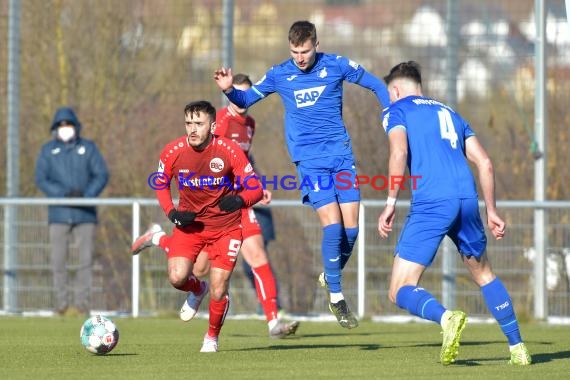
(242, 79)
(196, 107)
(410, 70)
(302, 31)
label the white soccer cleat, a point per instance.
(281, 330)
(210, 344)
(145, 240)
(192, 303)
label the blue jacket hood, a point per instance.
(67, 114)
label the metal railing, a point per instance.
(366, 279)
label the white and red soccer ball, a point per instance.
(99, 335)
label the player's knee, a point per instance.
(217, 292)
(200, 272)
(201, 269)
(177, 278)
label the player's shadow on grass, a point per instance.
(536, 359)
(342, 333)
(548, 357)
(438, 344)
(352, 333)
(364, 347)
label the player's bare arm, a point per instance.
(477, 154)
(396, 167)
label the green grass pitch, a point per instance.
(166, 348)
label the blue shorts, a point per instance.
(327, 180)
(428, 223)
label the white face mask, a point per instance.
(66, 133)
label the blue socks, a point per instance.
(332, 237)
(420, 303)
(337, 247)
(348, 239)
(500, 305)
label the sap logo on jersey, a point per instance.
(216, 165)
(308, 97)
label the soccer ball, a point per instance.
(99, 335)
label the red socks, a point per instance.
(193, 285)
(266, 290)
(218, 311)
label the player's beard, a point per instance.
(202, 145)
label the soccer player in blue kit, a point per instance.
(310, 86)
(437, 143)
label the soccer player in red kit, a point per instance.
(208, 217)
(234, 123)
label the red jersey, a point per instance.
(236, 127)
(204, 177)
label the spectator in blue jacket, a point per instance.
(71, 166)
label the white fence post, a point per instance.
(136, 261)
(361, 261)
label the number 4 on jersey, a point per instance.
(446, 127)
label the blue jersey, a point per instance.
(436, 148)
(313, 102)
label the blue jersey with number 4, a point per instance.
(436, 148)
(313, 102)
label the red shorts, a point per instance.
(250, 226)
(222, 246)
